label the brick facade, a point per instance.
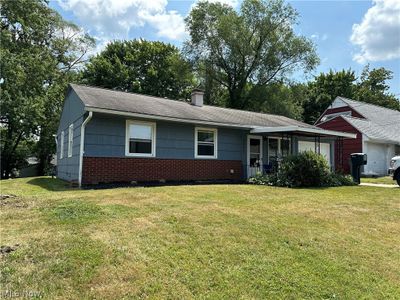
(112, 169)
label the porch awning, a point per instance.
(309, 131)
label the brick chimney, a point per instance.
(197, 97)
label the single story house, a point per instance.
(377, 130)
(112, 136)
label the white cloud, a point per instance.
(378, 34)
(170, 24)
(101, 43)
(316, 36)
(113, 19)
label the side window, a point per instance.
(70, 139)
(62, 145)
(140, 139)
(205, 143)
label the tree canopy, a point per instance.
(255, 45)
(370, 87)
(373, 88)
(38, 49)
(152, 68)
(324, 89)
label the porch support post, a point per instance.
(315, 144)
(291, 144)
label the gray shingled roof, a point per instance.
(380, 123)
(94, 97)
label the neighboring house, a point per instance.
(111, 136)
(31, 168)
(377, 129)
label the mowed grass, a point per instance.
(382, 180)
(206, 241)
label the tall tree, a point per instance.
(277, 98)
(37, 49)
(256, 45)
(140, 66)
(324, 89)
(373, 88)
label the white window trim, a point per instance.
(215, 131)
(153, 139)
(62, 145)
(70, 139)
(256, 137)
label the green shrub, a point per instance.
(338, 179)
(306, 169)
(260, 179)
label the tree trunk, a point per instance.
(7, 155)
(5, 167)
(235, 96)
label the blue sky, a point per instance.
(348, 34)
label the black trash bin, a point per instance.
(357, 160)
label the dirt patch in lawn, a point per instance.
(4, 250)
(13, 201)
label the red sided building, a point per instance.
(377, 129)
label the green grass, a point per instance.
(382, 180)
(207, 241)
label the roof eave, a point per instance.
(252, 128)
(164, 118)
(300, 129)
(381, 141)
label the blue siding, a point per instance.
(105, 137)
(73, 113)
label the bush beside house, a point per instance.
(306, 169)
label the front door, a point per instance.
(254, 155)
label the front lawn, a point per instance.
(382, 180)
(206, 241)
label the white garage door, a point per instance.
(376, 159)
(325, 149)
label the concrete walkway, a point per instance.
(380, 185)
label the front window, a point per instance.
(278, 148)
(285, 147)
(273, 150)
(140, 139)
(206, 143)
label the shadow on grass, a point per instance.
(51, 184)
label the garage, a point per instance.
(377, 158)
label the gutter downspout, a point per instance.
(81, 150)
